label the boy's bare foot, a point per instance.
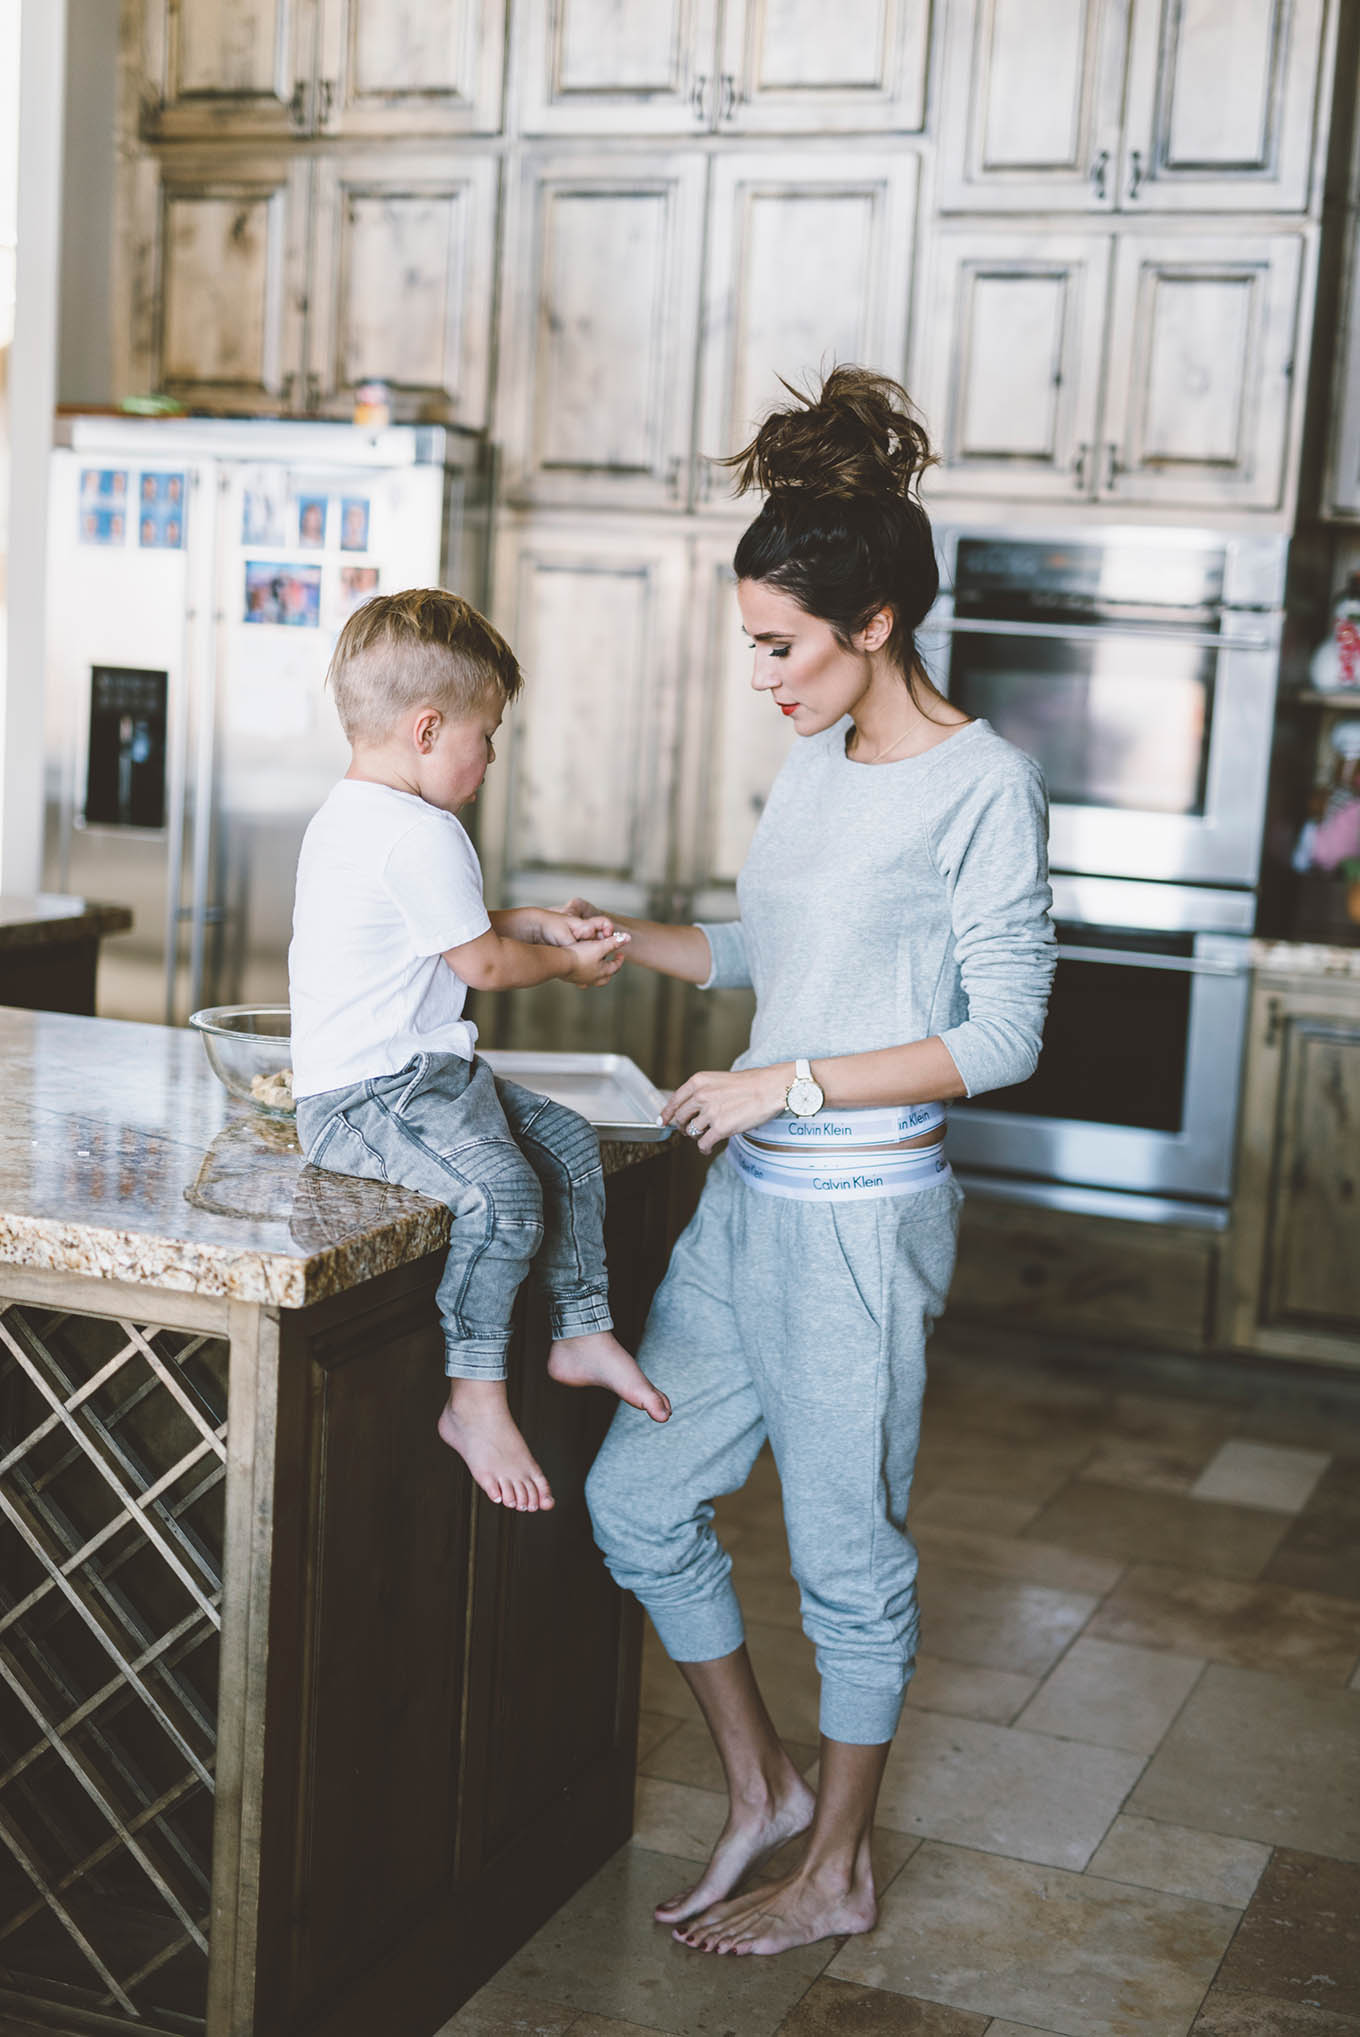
(796, 1911)
(750, 1831)
(477, 1423)
(600, 1360)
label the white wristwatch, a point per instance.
(803, 1096)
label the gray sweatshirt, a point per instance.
(885, 903)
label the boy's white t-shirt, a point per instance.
(385, 883)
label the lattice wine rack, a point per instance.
(112, 1483)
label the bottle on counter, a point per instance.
(1335, 664)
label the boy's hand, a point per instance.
(565, 929)
(594, 962)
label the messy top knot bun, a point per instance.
(842, 528)
(859, 436)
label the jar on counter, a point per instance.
(373, 407)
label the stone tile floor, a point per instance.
(1125, 1797)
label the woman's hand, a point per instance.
(711, 1106)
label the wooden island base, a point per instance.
(299, 1735)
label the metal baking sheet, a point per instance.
(609, 1090)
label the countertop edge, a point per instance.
(24, 925)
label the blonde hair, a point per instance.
(423, 646)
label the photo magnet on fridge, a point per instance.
(263, 510)
(160, 512)
(354, 523)
(103, 505)
(282, 593)
(312, 520)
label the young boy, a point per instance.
(390, 930)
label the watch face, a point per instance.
(804, 1098)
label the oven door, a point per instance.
(1137, 1085)
(1155, 744)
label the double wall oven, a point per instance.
(1139, 667)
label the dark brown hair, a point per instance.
(424, 645)
(842, 528)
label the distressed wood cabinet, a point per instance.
(601, 325)
(403, 270)
(1130, 105)
(807, 254)
(598, 67)
(1293, 1281)
(271, 68)
(218, 308)
(1142, 368)
(271, 281)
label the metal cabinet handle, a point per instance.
(1112, 467)
(286, 384)
(313, 393)
(325, 100)
(1080, 467)
(1097, 175)
(698, 97)
(1135, 173)
(675, 467)
(297, 108)
(729, 98)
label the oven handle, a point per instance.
(1092, 632)
(1125, 958)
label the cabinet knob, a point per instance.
(1135, 173)
(1098, 173)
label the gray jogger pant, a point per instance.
(520, 1174)
(805, 1322)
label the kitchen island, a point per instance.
(49, 949)
(297, 1731)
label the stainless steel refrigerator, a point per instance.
(199, 572)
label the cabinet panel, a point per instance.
(411, 66)
(1202, 341)
(227, 67)
(1030, 105)
(1315, 1266)
(799, 65)
(1221, 102)
(611, 67)
(402, 283)
(228, 252)
(809, 258)
(1011, 361)
(601, 328)
(1342, 493)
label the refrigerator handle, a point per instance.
(205, 762)
(176, 793)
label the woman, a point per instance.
(894, 927)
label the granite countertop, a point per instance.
(43, 916)
(1305, 958)
(123, 1158)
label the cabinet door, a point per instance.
(1342, 492)
(1294, 1272)
(1199, 398)
(580, 798)
(1030, 105)
(1221, 102)
(791, 66)
(809, 257)
(1010, 361)
(402, 283)
(227, 67)
(224, 251)
(392, 67)
(600, 67)
(601, 328)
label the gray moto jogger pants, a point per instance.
(803, 1322)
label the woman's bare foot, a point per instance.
(600, 1360)
(796, 1911)
(750, 1831)
(477, 1423)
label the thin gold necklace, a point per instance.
(887, 747)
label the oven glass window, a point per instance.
(1120, 722)
(1115, 1042)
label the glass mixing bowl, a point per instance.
(250, 1053)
